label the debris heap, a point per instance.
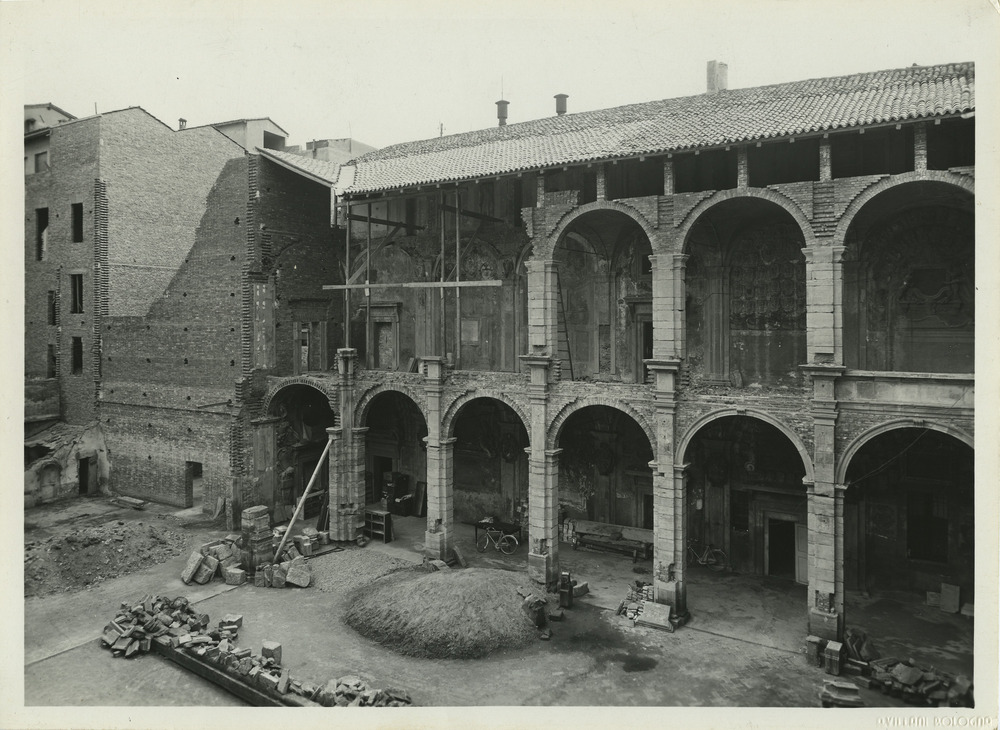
(174, 625)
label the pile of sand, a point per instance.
(447, 614)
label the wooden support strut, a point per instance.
(302, 501)
(382, 221)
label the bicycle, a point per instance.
(506, 544)
(713, 557)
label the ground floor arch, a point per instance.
(289, 445)
(394, 453)
(744, 492)
(604, 472)
(490, 463)
(909, 512)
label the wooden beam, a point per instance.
(382, 221)
(471, 214)
(382, 244)
(415, 285)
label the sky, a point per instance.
(386, 71)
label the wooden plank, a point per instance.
(415, 285)
(383, 221)
(472, 214)
(218, 677)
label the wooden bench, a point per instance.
(634, 541)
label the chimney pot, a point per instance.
(182, 123)
(717, 76)
(561, 104)
(502, 112)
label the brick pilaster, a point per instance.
(440, 467)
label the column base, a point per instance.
(672, 593)
(826, 625)
(543, 568)
(437, 545)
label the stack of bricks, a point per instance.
(638, 595)
(173, 622)
(257, 548)
(306, 542)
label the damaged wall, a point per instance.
(54, 459)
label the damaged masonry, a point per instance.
(723, 342)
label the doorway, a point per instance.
(381, 476)
(87, 473)
(780, 548)
(192, 483)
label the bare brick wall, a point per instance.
(149, 447)
(73, 168)
(295, 214)
(159, 188)
(177, 209)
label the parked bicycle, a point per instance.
(713, 557)
(506, 544)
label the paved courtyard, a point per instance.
(744, 647)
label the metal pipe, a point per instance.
(444, 332)
(369, 357)
(302, 501)
(347, 274)
(458, 279)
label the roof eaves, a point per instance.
(295, 168)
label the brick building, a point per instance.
(744, 317)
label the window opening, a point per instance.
(41, 233)
(77, 210)
(77, 355)
(51, 307)
(76, 291)
(41, 161)
(51, 365)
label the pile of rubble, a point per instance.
(174, 624)
(919, 685)
(86, 556)
(908, 680)
(219, 557)
(632, 606)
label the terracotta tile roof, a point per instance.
(328, 172)
(691, 122)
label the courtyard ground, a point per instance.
(743, 648)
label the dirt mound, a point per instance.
(89, 555)
(448, 614)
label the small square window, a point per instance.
(77, 210)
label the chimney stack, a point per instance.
(182, 123)
(717, 76)
(502, 113)
(561, 104)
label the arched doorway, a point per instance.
(745, 494)
(909, 281)
(303, 414)
(745, 301)
(604, 472)
(909, 518)
(395, 454)
(490, 463)
(604, 297)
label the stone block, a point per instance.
(299, 573)
(193, 563)
(278, 576)
(236, 576)
(259, 579)
(825, 625)
(271, 650)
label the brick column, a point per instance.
(602, 184)
(543, 479)
(440, 498)
(824, 304)
(825, 165)
(742, 167)
(668, 304)
(440, 468)
(265, 447)
(542, 307)
(825, 597)
(668, 508)
(668, 175)
(347, 480)
(920, 147)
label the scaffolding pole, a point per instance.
(369, 358)
(458, 280)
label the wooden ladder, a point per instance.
(562, 332)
